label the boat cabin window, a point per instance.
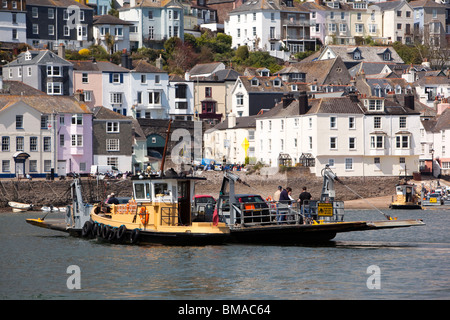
(161, 188)
(142, 191)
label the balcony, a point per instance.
(378, 152)
(76, 151)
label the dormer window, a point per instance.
(254, 82)
(27, 56)
(277, 82)
(374, 104)
(289, 3)
(387, 56)
(356, 55)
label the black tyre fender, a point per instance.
(121, 232)
(87, 229)
(99, 230)
(134, 238)
(112, 234)
(105, 231)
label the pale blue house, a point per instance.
(154, 21)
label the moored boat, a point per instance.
(406, 197)
(20, 207)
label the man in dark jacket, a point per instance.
(305, 195)
(285, 200)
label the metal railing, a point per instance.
(273, 212)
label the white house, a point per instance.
(117, 29)
(356, 137)
(232, 140)
(181, 98)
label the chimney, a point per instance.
(231, 120)
(159, 62)
(62, 51)
(287, 99)
(302, 103)
(124, 59)
(409, 101)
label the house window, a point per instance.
(5, 166)
(116, 77)
(47, 165)
(54, 88)
(387, 56)
(181, 91)
(333, 123)
(240, 100)
(115, 98)
(351, 123)
(66, 31)
(352, 143)
(208, 92)
(29, 71)
(112, 161)
(33, 165)
(377, 122)
(20, 143)
(310, 143)
(143, 78)
(77, 140)
(54, 71)
(181, 105)
(87, 96)
(47, 144)
(84, 78)
(333, 142)
(402, 122)
(51, 30)
(62, 138)
(33, 144)
(44, 122)
(377, 142)
(34, 12)
(5, 143)
(157, 78)
(402, 142)
(348, 164)
(112, 145)
(77, 119)
(112, 127)
(35, 28)
(154, 97)
(19, 121)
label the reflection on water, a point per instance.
(413, 263)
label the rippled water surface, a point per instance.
(413, 263)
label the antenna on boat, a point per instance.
(165, 150)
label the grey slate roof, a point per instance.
(102, 66)
(38, 57)
(368, 53)
(109, 19)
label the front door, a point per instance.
(20, 169)
(184, 203)
(61, 169)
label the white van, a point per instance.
(102, 170)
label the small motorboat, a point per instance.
(20, 207)
(50, 209)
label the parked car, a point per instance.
(253, 206)
(435, 198)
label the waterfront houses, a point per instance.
(111, 33)
(43, 135)
(356, 136)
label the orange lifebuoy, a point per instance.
(144, 215)
(269, 198)
(128, 208)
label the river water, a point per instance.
(409, 263)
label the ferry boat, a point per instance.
(160, 212)
(406, 197)
(266, 222)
